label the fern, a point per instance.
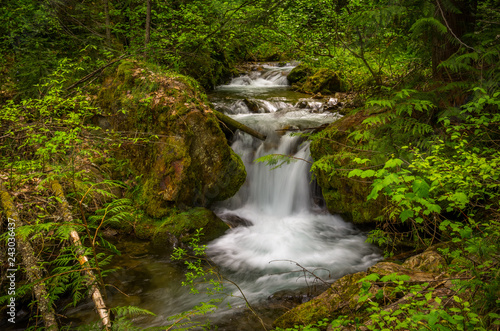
(426, 24)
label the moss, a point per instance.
(343, 195)
(300, 73)
(190, 164)
(325, 81)
(340, 299)
(179, 228)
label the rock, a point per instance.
(190, 164)
(343, 195)
(234, 221)
(387, 268)
(178, 229)
(299, 74)
(339, 299)
(252, 105)
(324, 81)
(428, 261)
(342, 297)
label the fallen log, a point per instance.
(235, 125)
(32, 265)
(95, 293)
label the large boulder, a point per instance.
(180, 154)
(343, 297)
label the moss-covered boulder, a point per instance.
(179, 228)
(342, 298)
(324, 81)
(307, 79)
(176, 145)
(299, 74)
(335, 150)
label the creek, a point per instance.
(285, 238)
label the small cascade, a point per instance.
(264, 76)
(282, 225)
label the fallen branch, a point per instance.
(95, 72)
(95, 293)
(31, 263)
(235, 125)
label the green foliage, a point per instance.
(122, 321)
(52, 139)
(200, 274)
(320, 325)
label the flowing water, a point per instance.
(288, 229)
(283, 229)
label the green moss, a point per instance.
(181, 227)
(325, 81)
(300, 73)
(340, 299)
(190, 164)
(343, 195)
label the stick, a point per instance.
(95, 72)
(82, 259)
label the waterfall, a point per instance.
(282, 226)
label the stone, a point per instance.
(189, 164)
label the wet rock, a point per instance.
(324, 81)
(342, 297)
(234, 220)
(190, 163)
(252, 105)
(299, 74)
(343, 195)
(178, 229)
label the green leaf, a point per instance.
(421, 188)
(460, 198)
(392, 163)
(406, 214)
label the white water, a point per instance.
(287, 227)
(287, 224)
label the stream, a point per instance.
(285, 236)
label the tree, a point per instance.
(148, 23)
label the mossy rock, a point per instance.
(325, 81)
(187, 162)
(344, 195)
(300, 73)
(340, 299)
(179, 228)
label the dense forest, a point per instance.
(92, 91)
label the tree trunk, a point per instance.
(82, 259)
(459, 21)
(31, 264)
(235, 125)
(148, 23)
(108, 23)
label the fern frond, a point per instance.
(426, 24)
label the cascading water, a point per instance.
(284, 227)
(280, 221)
